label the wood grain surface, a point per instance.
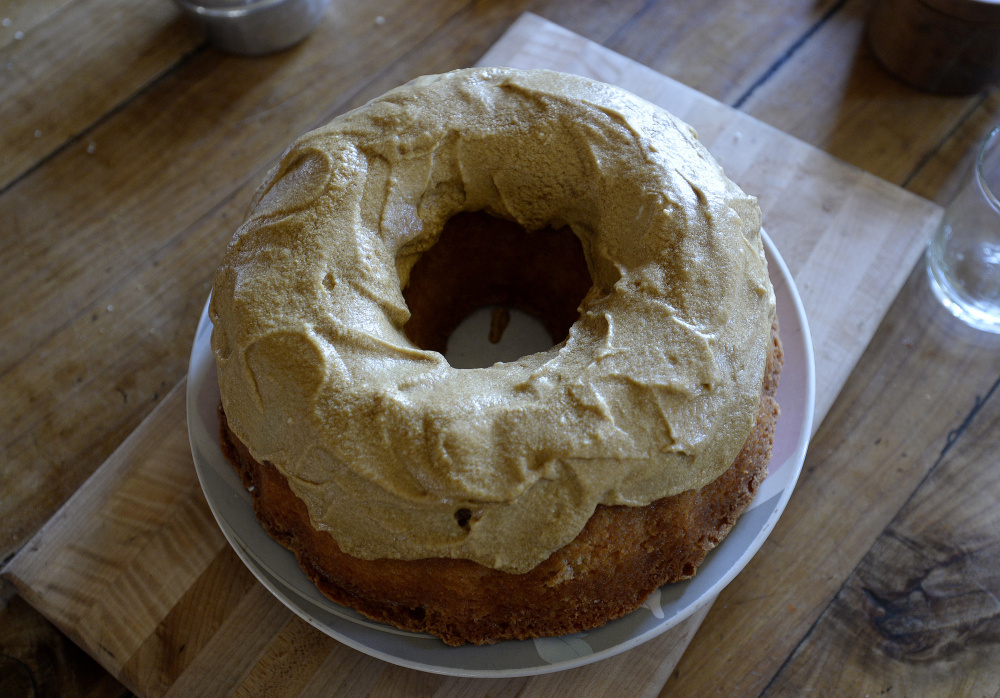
(140, 512)
(920, 613)
(112, 217)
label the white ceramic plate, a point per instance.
(278, 570)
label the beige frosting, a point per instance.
(653, 392)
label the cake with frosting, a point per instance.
(529, 498)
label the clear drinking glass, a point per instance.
(963, 258)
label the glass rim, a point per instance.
(980, 174)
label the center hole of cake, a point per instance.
(490, 291)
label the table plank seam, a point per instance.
(952, 438)
(961, 121)
(113, 111)
(785, 57)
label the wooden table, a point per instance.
(128, 150)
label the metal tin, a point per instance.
(254, 27)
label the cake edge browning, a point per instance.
(620, 557)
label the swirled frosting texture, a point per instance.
(653, 392)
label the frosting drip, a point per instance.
(652, 393)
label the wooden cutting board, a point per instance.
(135, 570)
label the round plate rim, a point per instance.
(777, 268)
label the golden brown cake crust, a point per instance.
(389, 444)
(620, 557)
